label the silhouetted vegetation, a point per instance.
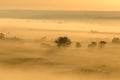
(102, 44)
(63, 42)
(2, 35)
(92, 45)
(116, 40)
(78, 45)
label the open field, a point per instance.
(35, 57)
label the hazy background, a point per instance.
(99, 5)
(28, 51)
(96, 21)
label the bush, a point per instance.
(78, 45)
(102, 44)
(63, 42)
(2, 35)
(116, 40)
(92, 45)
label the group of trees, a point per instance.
(66, 42)
(116, 40)
(101, 44)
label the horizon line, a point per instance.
(59, 10)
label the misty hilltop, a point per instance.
(62, 15)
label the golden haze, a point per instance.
(61, 4)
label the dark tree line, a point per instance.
(66, 42)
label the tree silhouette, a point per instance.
(116, 40)
(63, 42)
(78, 45)
(102, 44)
(92, 45)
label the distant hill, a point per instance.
(59, 15)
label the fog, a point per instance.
(30, 53)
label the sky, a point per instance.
(100, 5)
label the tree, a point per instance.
(2, 35)
(92, 45)
(102, 44)
(63, 42)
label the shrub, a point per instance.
(92, 45)
(63, 42)
(78, 45)
(102, 44)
